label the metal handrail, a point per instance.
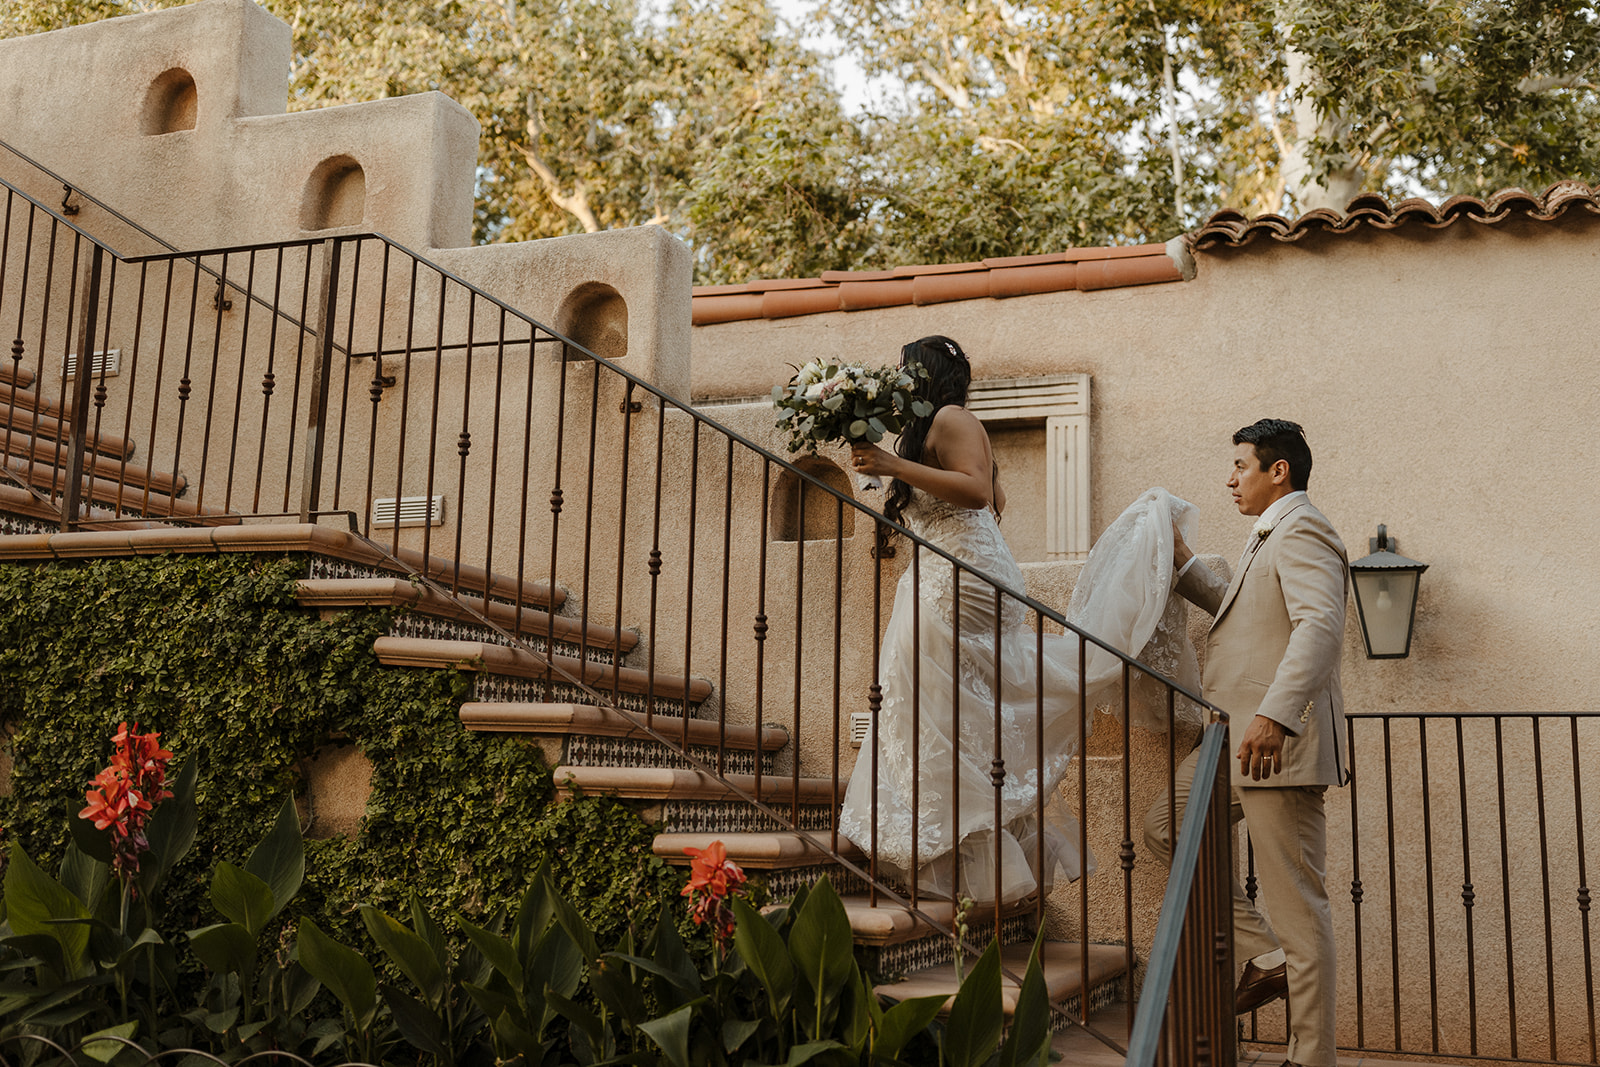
(333, 337)
(1154, 1023)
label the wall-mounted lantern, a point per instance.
(1386, 597)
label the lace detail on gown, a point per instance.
(936, 749)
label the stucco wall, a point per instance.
(1448, 386)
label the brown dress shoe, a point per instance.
(1258, 987)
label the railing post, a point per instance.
(77, 441)
(321, 367)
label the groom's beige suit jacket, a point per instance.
(1275, 643)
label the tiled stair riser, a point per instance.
(417, 624)
(732, 817)
(935, 948)
(501, 689)
(1065, 1015)
(591, 751)
(18, 524)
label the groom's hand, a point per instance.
(1261, 751)
(1181, 553)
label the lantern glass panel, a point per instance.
(1386, 597)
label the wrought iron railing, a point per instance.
(1185, 1014)
(1466, 931)
(355, 371)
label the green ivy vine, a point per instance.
(214, 652)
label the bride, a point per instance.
(936, 751)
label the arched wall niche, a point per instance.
(816, 518)
(171, 103)
(595, 315)
(335, 196)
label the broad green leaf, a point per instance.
(172, 826)
(556, 963)
(424, 926)
(102, 1045)
(342, 970)
(280, 859)
(534, 912)
(763, 951)
(576, 928)
(516, 1039)
(410, 953)
(736, 1032)
(1028, 1041)
(226, 948)
(419, 1024)
(496, 949)
(95, 843)
(904, 1021)
(670, 1032)
(809, 1051)
(822, 946)
(34, 899)
(976, 1019)
(242, 897)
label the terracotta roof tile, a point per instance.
(1230, 229)
(937, 283)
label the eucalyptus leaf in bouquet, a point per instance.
(841, 403)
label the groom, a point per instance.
(1272, 663)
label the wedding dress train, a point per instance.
(936, 750)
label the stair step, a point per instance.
(477, 580)
(556, 718)
(515, 663)
(1062, 962)
(660, 783)
(887, 923)
(50, 455)
(756, 851)
(260, 537)
(32, 414)
(17, 375)
(15, 500)
(401, 592)
(126, 497)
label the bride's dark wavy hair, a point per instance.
(949, 374)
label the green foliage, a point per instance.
(1006, 130)
(215, 654)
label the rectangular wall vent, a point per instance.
(408, 511)
(106, 363)
(860, 727)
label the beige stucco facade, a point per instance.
(1446, 379)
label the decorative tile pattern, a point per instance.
(590, 751)
(733, 817)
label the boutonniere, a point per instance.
(1261, 529)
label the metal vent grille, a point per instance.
(860, 727)
(101, 363)
(408, 511)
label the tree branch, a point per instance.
(575, 203)
(959, 98)
(1549, 83)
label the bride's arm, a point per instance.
(961, 462)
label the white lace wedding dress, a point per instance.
(935, 753)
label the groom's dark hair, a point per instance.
(1276, 439)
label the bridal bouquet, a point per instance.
(828, 403)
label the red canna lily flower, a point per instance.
(713, 878)
(121, 797)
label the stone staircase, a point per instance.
(596, 750)
(530, 691)
(34, 433)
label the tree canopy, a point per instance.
(1018, 128)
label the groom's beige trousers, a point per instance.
(1289, 835)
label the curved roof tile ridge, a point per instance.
(1083, 269)
(1230, 228)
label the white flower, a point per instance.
(871, 388)
(815, 390)
(1261, 529)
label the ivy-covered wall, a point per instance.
(215, 654)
